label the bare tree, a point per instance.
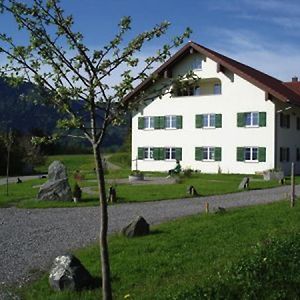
(65, 71)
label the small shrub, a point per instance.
(136, 173)
(187, 172)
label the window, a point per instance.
(197, 91)
(217, 89)
(284, 120)
(148, 122)
(298, 123)
(251, 119)
(197, 63)
(209, 121)
(298, 154)
(148, 153)
(251, 154)
(284, 154)
(208, 153)
(170, 122)
(170, 153)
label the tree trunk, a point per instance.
(7, 169)
(105, 266)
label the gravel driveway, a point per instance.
(30, 239)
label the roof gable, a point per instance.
(272, 86)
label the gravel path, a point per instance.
(30, 239)
(23, 178)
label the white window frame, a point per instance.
(172, 120)
(170, 151)
(210, 117)
(149, 151)
(210, 153)
(148, 123)
(251, 119)
(251, 154)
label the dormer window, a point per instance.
(197, 63)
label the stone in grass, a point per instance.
(57, 187)
(138, 227)
(220, 210)
(67, 273)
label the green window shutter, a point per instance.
(218, 153)
(156, 153)
(179, 122)
(156, 123)
(140, 153)
(178, 154)
(240, 156)
(199, 121)
(261, 154)
(218, 120)
(198, 153)
(162, 153)
(262, 119)
(162, 122)
(141, 124)
(240, 119)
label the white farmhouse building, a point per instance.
(234, 119)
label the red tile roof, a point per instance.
(274, 87)
(295, 86)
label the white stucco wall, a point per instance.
(237, 96)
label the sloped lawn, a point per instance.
(183, 258)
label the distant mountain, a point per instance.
(23, 115)
(27, 117)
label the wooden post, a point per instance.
(207, 207)
(292, 185)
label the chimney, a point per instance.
(295, 79)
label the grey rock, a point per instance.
(67, 273)
(57, 187)
(273, 175)
(58, 190)
(220, 210)
(57, 171)
(137, 227)
(244, 183)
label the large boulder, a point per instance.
(137, 227)
(57, 171)
(57, 187)
(67, 273)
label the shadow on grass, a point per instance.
(156, 232)
(96, 283)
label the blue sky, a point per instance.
(264, 34)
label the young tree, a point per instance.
(8, 140)
(64, 70)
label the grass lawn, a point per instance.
(183, 254)
(24, 196)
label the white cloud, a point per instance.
(271, 6)
(274, 58)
